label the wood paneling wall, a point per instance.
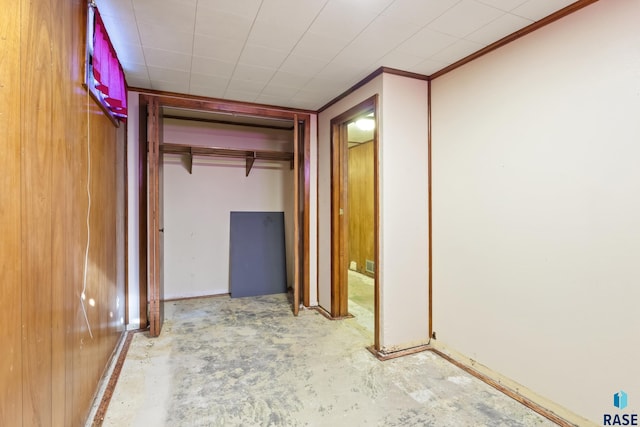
(361, 208)
(52, 358)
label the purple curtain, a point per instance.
(107, 72)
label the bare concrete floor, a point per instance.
(249, 362)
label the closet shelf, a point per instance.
(250, 156)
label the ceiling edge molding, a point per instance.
(515, 36)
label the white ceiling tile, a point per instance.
(245, 8)
(428, 67)
(457, 51)
(212, 92)
(362, 6)
(170, 86)
(212, 67)
(280, 91)
(274, 36)
(288, 79)
(262, 56)
(400, 60)
(172, 14)
(121, 30)
(302, 65)
(319, 85)
(426, 43)
(137, 82)
(538, 9)
(157, 36)
(222, 24)
(281, 101)
(135, 68)
(118, 8)
(129, 53)
(238, 95)
(384, 34)
(203, 80)
(344, 71)
(167, 59)
(245, 86)
(464, 18)
(420, 12)
(337, 22)
(323, 48)
(506, 5)
(294, 13)
(496, 30)
(168, 75)
(225, 50)
(253, 73)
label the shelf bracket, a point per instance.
(250, 159)
(188, 160)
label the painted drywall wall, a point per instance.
(536, 212)
(197, 206)
(403, 233)
(404, 213)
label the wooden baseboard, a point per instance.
(383, 356)
(548, 409)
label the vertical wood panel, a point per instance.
(61, 26)
(10, 223)
(361, 213)
(50, 366)
(36, 113)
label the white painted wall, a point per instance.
(403, 262)
(404, 213)
(197, 207)
(536, 209)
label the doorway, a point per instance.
(354, 218)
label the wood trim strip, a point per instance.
(170, 148)
(296, 216)
(192, 102)
(400, 353)
(376, 224)
(328, 315)
(98, 419)
(509, 392)
(306, 220)
(429, 208)
(226, 122)
(515, 36)
(197, 297)
(367, 79)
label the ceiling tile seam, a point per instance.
(244, 45)
(193, 42)
(144, 56)
(349, 44)
(292, 49)
(395, 47)
(425, 26)
(491, 22)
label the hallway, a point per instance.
(249, 362)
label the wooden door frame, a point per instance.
(340, 212)
(301, 165)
